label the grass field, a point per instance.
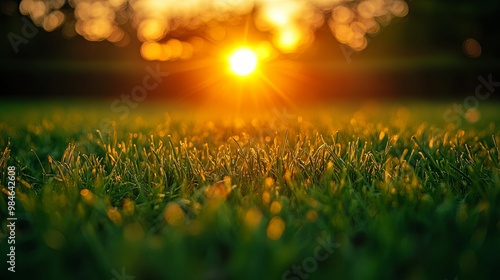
(348, 192)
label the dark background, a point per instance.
(420, 56)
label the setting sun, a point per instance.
(243, 62)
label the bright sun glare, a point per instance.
(243, 62)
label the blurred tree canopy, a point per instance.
(424, 49)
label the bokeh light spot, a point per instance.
(54, 239)
(472, 115)
(311, 216)
(114, 215)
(173, 214)
(266, 197)
(291, 23)
(288, 40)
(275, 207)
(252, 218)
(275, 228)
(151, 29)
(472, 48)
(151, 50)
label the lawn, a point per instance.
(379, 191)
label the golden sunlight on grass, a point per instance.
(243, 62)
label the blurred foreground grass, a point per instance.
(384, 191)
